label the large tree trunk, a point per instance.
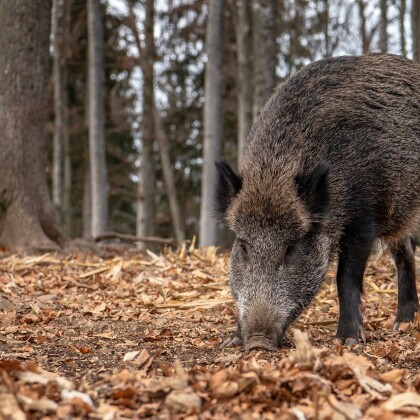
(212, 121)
(264, 51)
(415, 25)
(244, 42)
(27, 219)
(145, 203)
(98, 170)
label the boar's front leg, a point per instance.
(408, 301)
(354, 253)
(234, 339)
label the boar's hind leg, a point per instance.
(408, 301)
(351, 266)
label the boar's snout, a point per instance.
(262, 327)
(260, 342)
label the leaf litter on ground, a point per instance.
(132, 335)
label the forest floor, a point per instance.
(128, 335)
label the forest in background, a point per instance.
(145, 95)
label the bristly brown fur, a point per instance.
(362, 115)
(332, 164)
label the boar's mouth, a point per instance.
(260, 342)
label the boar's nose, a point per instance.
(259, 342)
(261, 326)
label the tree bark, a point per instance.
(27, 217)
(244, 42)
(212, 121)
(147, 177)
(415, 25)
(383, 39)
(98, 170)
(264, 52)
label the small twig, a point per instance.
(132, 238)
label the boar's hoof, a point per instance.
(351, 341)
(233, 340)
(405, 313)
(259, 343)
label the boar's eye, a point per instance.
(243, 247)
(289, 252)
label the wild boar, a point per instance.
(332, 164)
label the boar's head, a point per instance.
(281, 251)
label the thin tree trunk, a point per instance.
(87, 205)
(363, 30)
(244, 42)
(67, 170)
(27, 217)
(59, 108)
(98, 171)
(61, 178)
(160, 134)
(264, 52)
(168, 175)
(402, 10)
(212, 121)
(145, 205)
(415, 27)
(383, 39)
(326, 22)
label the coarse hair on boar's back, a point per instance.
(332, 164)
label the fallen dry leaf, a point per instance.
(397, 402)
(180, 400)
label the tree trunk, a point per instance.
(264, 52)
(383, 39)
(87, 206)
(168, 175)
(415, 25)
(27, 218)
(59, 108)
(212, 121)
(402, 11)
(67, 170)
(98, 171)
(147, 177)
(325, 25)
(363, 30)
(244, 42)
(61, 172)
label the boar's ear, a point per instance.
(314, 191)
(228, 185)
